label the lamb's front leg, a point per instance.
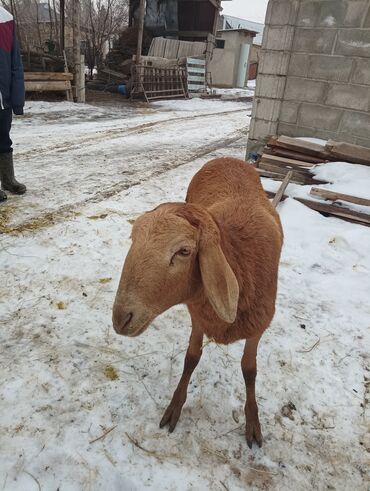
(193, 354)
(249, 368)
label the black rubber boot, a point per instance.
(8, 181)
(3, 196)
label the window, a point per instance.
(220, 43)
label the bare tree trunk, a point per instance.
(38, 23)
(51, 22)
(62, 22)
(77, 48)
(140, 31)
(56, 24)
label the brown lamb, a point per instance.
(218, 254)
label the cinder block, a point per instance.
(261, 128)
(356, 123)
(349, 96)
(314, 40)
(327, 67)
(366, 22)
(353, 42)
(361, 73)
(270, 86)
(356, 13)
(289, 112)
(298, 65)
(282, 12)
(319, 116)
(287, 129)
(365, 142)
(297, 130)
(305, 90)
(273, 62)
(267, 109)
(332, 13)
(308, 14)
(278, 38)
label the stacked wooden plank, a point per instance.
(284, 155)
(49, 81)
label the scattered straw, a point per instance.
(103, 435)
(310, 349)
(34, 478)
(103, 281)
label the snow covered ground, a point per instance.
(80, 406)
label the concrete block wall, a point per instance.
(314, 72)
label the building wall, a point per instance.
(314, 72)
(224, 63)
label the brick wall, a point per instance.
(314, 72)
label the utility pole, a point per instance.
(77, 49)
(140, 31)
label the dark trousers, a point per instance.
(5, 125)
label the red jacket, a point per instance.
(11, 69)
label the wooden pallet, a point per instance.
(152, 83)
(49, 82)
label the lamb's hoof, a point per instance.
(253, 433)
(171, 416)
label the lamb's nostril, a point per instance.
(121, 319)
(126, 320)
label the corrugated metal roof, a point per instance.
(230, 22)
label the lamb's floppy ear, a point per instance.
(219, 281)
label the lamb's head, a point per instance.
(175, 253)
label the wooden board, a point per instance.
(278, 176)
(300, 146)
(47, 86)
(291, 154)
(334, 196)
(337, 211)
(301, 176)
(280, 192)
(295, 164)
(330, 210)
(349, 152)
(47, 76)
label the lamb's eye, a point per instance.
(185, 251)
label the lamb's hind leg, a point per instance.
(193, 354)
(249, 368)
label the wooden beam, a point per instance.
(301, 176)
(47, 86)
(281, 189)
(296, 164)
(349, 152)
(46, 76)
(334, 196)
(301, 146)
(291, 154)
(193, 34)
(337, 211)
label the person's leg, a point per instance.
(8, 181)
